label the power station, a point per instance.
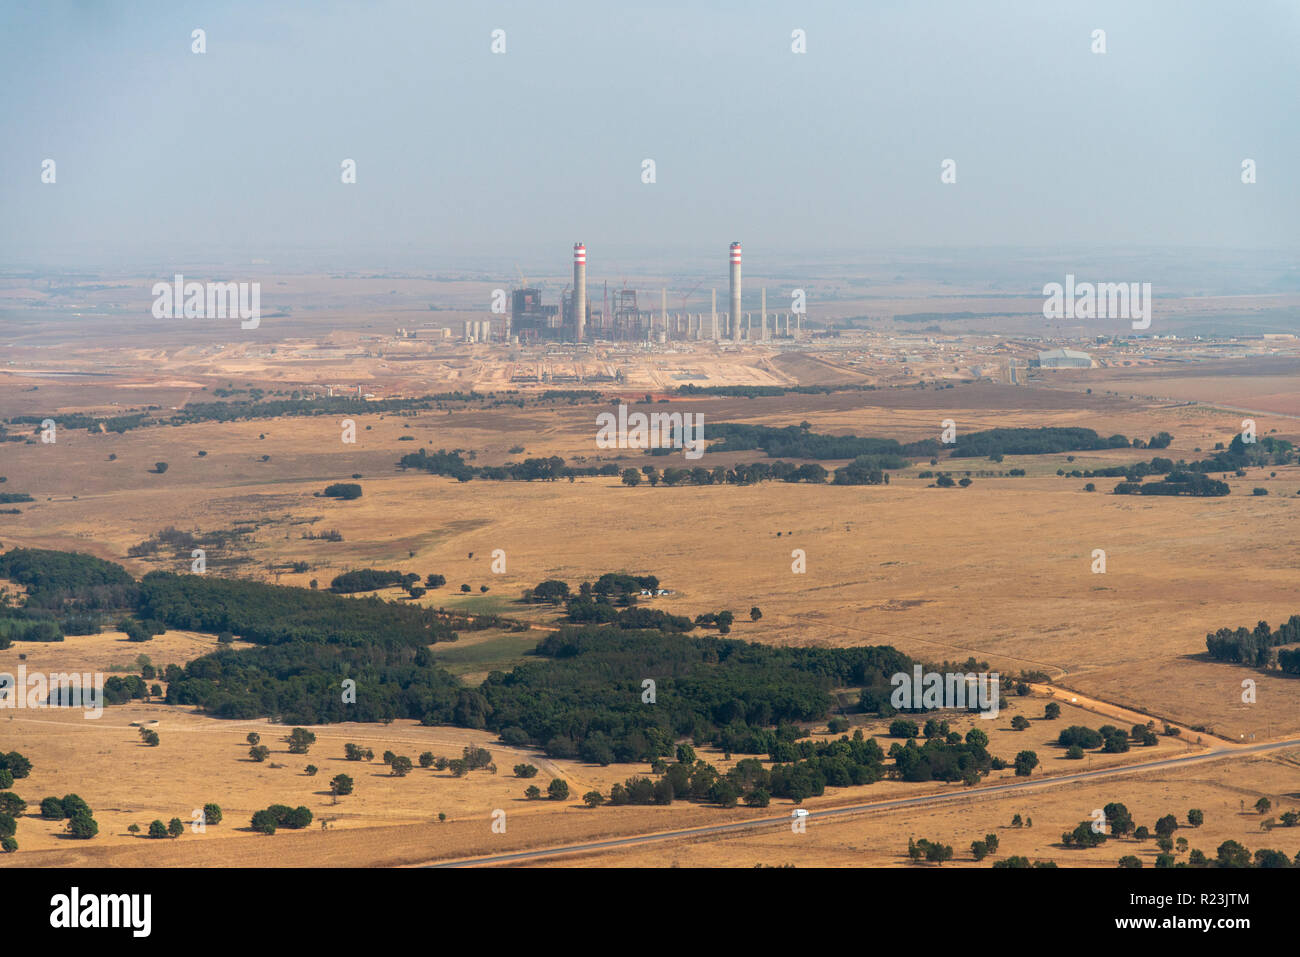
(618, 318)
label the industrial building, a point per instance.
(1062, 359)
(620, 319)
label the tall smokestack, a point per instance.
(735, 291)
(579, 290)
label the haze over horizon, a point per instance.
(466, 159)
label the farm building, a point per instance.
(1062, 359)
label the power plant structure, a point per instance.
(735, 292)
(579, 290)
(618, 317)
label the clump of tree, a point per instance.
(1256, 646)
(1086, 835)
(371, 579)
(355, 752)
(343, 490)
(268, 820)
(935, 852)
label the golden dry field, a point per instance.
(1001, 571)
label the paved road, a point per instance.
(1216, 754)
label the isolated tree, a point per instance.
(175, 828)
(1026, 761)
(212, 814)
(1195, 817)
(149, 736)
(593, 799)
(1129, 861)
(254, 738)
(401, 766)
(265, 821)
(532, 792)
(341, 784)
(1051, 711)
(755, 613)
(133, 829)
(52, 809)
(979, 850)
(300, 740)
(1019, 723)
(311, 770)
(160, 467)
(525, 771)
(558, 789)
(1166, 826)
(157, 829)
(1263, 805)
(259, 753)
(426, 759)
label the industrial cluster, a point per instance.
(620, 318)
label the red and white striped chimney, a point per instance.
(735, 292)
(579, 290)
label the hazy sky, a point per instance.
(461, 154)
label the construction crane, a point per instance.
(682, 308)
